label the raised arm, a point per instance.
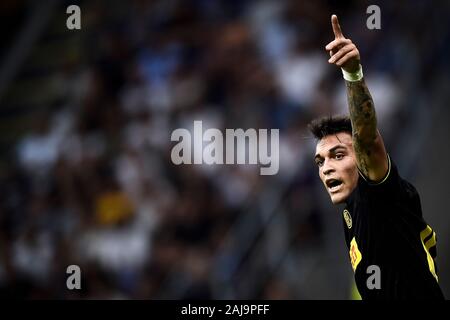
(368, 144)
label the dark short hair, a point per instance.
(325, 126)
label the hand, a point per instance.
(343, 52)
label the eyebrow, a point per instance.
(330, 150)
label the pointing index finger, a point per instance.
(336, 27)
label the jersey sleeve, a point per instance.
(390, 186)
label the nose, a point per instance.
(327, 169)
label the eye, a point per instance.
(339, 156)
(319, 163)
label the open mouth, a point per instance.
(333, 184)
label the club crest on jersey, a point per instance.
(347, 218)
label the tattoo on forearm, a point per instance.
(364, 121)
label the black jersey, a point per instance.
(386, 233)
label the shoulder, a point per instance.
(391, 182)
(392, 185)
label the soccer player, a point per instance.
(391, 247)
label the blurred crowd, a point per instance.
(92, 183)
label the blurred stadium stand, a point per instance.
(86, 117)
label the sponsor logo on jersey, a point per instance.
(355, 254)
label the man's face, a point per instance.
(336, 160)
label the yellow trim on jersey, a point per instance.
(383, 180)
(354, 293)
(431, 242)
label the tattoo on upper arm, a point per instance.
(364, 122)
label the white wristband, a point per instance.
(353, 76)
